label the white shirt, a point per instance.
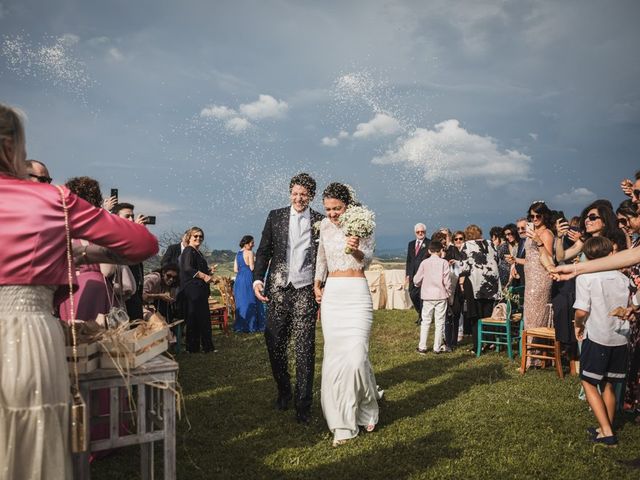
(300, 266)
(599, 293)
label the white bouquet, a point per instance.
(357, 221)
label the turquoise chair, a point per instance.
(502, 332)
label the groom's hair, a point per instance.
(304, 180)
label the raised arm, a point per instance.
(626, 258)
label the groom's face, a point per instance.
(299, 198)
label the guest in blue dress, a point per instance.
(250, 315)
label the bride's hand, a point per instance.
(318, 293)
(353, 243)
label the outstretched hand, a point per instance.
(561, 273)
(258, 290)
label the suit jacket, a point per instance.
(521, 254)
(271, 255)
(172, 254)
(413, 260)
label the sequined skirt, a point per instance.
(34, 386)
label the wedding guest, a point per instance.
(95, 294)
(603, 358)
(496, 234)
(454, 327)
(173, 251)
(481, 284)
(37, 171)
(195, 277)
(35, 405)
(434, 279)
(537, 293)
(348, 392)
(288, 252)
(160, 289)
(507, 251)
(627, 215)
(249, 316)
(416, 252)
(518, 261)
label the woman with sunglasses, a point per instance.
(195, 277)
(538, 245)
(629, 221)
(507, 250)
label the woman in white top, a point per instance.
(349, 394)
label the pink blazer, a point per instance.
(32, 232)
(433, 278)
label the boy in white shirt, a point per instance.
(603, 358)
(433, 278)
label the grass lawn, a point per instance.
(444, 416)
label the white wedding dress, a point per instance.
(349, 394)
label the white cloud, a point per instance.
(265, 107)
(534, 136)
(577, 196)
(380, 125)
(451, 152)
(218, 111)
(330, 142)
(343, 134)
(115, 55)
(237, 124)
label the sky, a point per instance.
(437, 111)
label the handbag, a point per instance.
(78, 415)
(124, 283)
(499, 312)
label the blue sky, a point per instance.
(445, 112)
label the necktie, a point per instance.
(417, 247)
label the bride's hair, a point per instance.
(339, 191)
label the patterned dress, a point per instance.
(537, 290)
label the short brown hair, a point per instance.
(86, 188)
(304, 180)
(473, 232)
(597, 247)
(435, 246)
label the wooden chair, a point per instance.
(219, 315)
(502, 331)
(541, 343)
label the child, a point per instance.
(603, 358)
(433, 278)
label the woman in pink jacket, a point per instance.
(34, 378)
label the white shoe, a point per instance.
(380, 392)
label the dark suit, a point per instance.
(172, 254)
(521, 253)
(290, 310)
(411, 268)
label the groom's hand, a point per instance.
(258, 290)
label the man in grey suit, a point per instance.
(287, 251)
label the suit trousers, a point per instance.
(292, 311)
(414, 295)
(432, 310)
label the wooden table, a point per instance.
(155, 414)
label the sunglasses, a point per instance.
(197, 236)
(421, 231)
(458, 239)
(533, 216)
(508, 234)
(170, 277)
(593, 217)
(623, 222)
(41, 178)
(522, 229)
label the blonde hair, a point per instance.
(473, 232)
(12, 134)
(193, 230)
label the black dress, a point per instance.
(195, 294)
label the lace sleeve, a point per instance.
(367, 246)
(321, 261)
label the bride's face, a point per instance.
(334, 208)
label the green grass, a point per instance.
(444, 416)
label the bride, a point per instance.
(349, 394)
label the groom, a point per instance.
(288, 251)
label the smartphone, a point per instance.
(530, 226)
(151, 220)
(575, 229)
(114, 193)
